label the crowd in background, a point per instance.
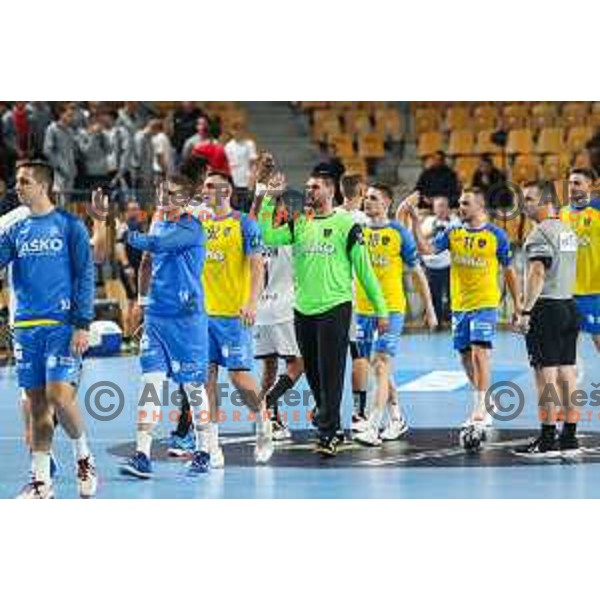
(124, 148)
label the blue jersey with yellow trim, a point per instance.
(390, 246)
(585, 222)
(52, 269)
(231, 239)
(476, 255)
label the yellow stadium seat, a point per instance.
(485, 117)
(550, 141)
(578, 137)
(582, 160)
(426, 119)
(429, 142)
(343, 144)
(370, 145)
(355, 166)
(458, 117)
(544, 114)
(525, 168)
(575, 113)
(555, 166)
(321, 131)
(357, 122)
(515, 116)
(389, 122)
(461, 142)
(465, 167)
(484, 142)
(519, 142)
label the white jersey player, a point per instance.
(275, 337)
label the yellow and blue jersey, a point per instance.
(231, 239)
(585, 222)
(391, 247)
(476, 257)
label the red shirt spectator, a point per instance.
(214, 153)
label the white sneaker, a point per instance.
(217, 459)
(394, 430)
(359, 423)
(369, 437)
(36, 490)
(263, 451)
(87, 480)
(281, 432)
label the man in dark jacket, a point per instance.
(438, 179)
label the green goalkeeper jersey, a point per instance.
(326, 251)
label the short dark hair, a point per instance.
(221, 175)
(324, 175)
(587, 173)
(42, 171)
(384, 188)
(349, 184)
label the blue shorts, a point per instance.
(474, 326)
(230, 343)
(588, 308)
(366, 332)
(43, 355)
(176, 346)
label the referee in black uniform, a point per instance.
(550, 323)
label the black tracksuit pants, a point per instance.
(323, 342)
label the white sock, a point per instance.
(375, 417)
(479, 404)
(144, 442)
(40, 465)
(260, 423)
(200, 429)
(394, 411)
(81, 448)
(213, 435)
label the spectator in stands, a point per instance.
(40, 117)
(128, 262)
(202, 135)
(95, 148)
(163, 150)
(7, 161)
(121, 148)
(132, 117)
(60, 148)
(487, 177)
(17, 131)
(214, 152)
(437, 266)
(241, 155)
(143, 163)
(184, 121)
(438, 179)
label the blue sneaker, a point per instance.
(200, 464)
(139, 465)
(182, 446)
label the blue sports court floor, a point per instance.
(436, 401)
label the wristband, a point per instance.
(143, 300)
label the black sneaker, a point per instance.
(568, 445)
(540, 448)
(327, 446)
